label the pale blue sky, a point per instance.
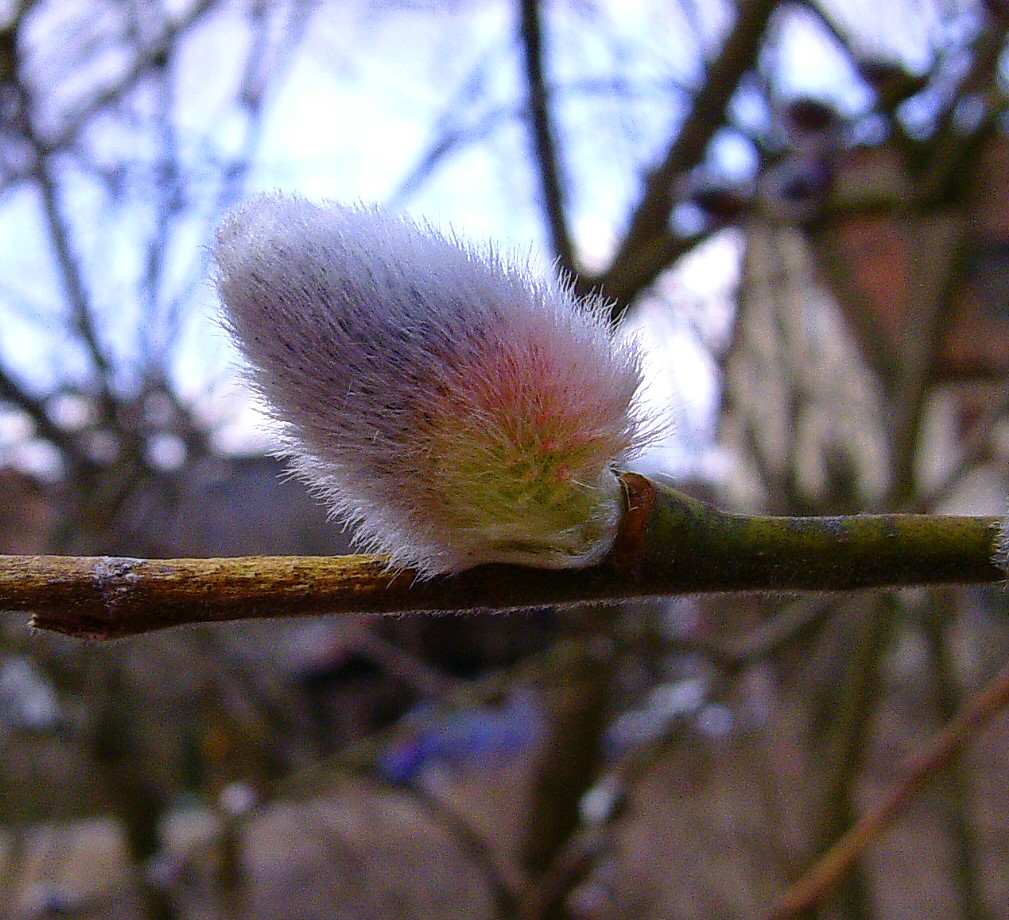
(357, 106)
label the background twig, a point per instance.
(816, 885)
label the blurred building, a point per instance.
(217, 506)
(955, 257)
(887, 286)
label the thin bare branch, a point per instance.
(649, 222)
(547, 160)
(855, 698)
(813, 888)
(954, 780)
(13, 393)
(73, 283)
(101, 100)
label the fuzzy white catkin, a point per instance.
(452, 407)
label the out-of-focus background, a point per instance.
(801, 208)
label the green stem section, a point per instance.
(669, 544)
(703, 549)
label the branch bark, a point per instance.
(669, 544)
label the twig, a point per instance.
(111, 93)
(71, 277)
(669, 544)
(503, 880)
(423, 679)
(594, 838)
(19, 397)
(975, 448)
(547, 160)
(797, 619)
(853, 704)
(954, 780)
(816, 885)
(649, 222)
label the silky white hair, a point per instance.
(451, 406)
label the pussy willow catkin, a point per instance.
(454, 408)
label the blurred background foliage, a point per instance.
(801, 206)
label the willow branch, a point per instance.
(669, 544)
